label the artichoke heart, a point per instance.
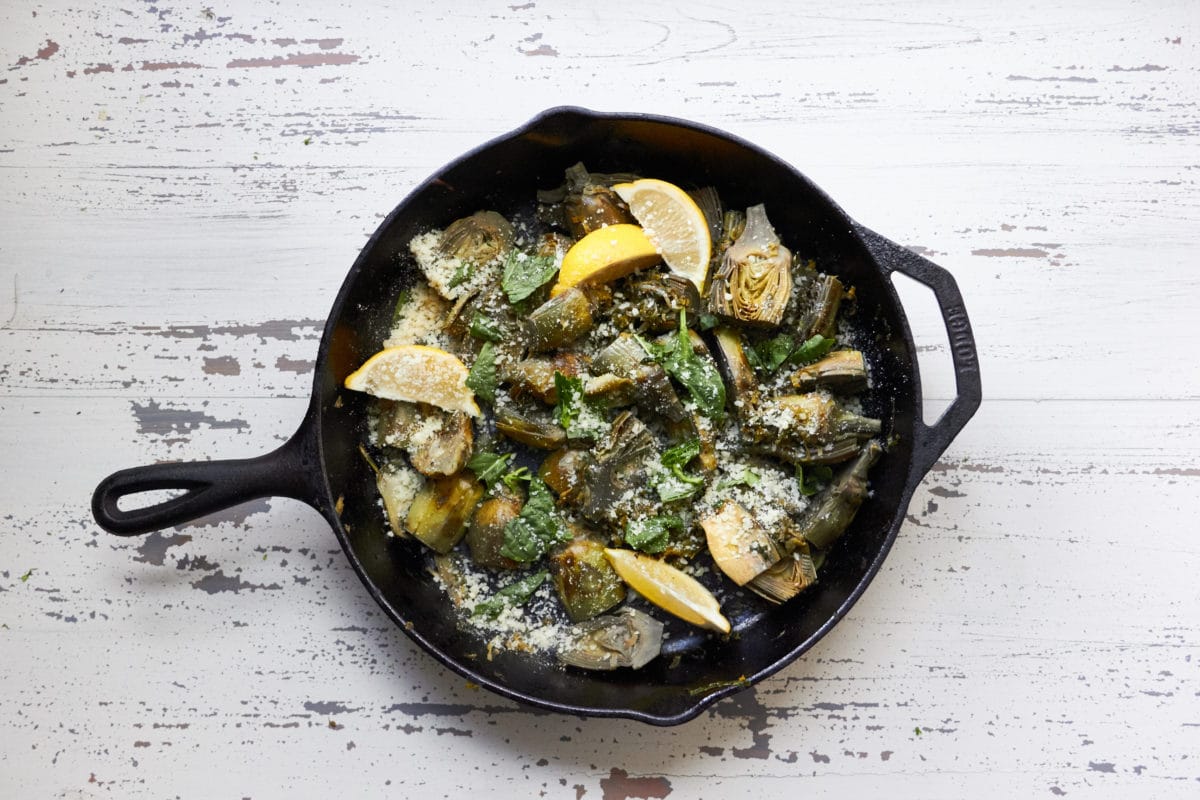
(832, 511)
(586, 583)
(485, 537)
(754, 282)
(478, 239)
(439, 513)
(628, 638)
(786, 578)
(437, 442)
(738, 544)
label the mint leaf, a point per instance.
(577, 415)
(811, 350)
(812, 482)
(482, 379)
(748, 478)
(513, 479)
(485, 329)
(525, 274)
(536, 529)
(516, 593)
(488, 466)
(460, 274)
(769, 354)
(697, 374)
(652, 534)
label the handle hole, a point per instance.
(938, 387)
(136, 501)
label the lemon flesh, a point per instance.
(414, 373)
(670, 589)
(605, 255)
(674, 223)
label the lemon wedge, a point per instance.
(605, 255)
(674, 223)
(668, 588)
(415, 373)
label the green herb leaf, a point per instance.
(26, 576)
(652, 534)
(748, 478)
(513, 479)
(577, 415)
(814, 480)
(401, 302)
(464, 270)
(537, 528)
(769, 354)
(516, 593)
(678, 484)
(811, 350)
(485, 329)
(697, 374)
(482, 379)
(525, 274)
(489, 466)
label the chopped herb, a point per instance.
(513, 478)
(748, 478)
(516, 593)
(26, 576)
(525, 274)
(816, 478)
(697, 374)
(401, 302)
(536, 529)
(577, 415)
(460, 275)
(706, 321)
(489, 466)
(482, 378)
(917, 731)
(308, 140)
(652, 534)
(811, 350)
(485, 329)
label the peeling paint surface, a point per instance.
(186, 187)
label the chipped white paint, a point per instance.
(169, 243)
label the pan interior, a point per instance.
(504, 175)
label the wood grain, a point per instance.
(185, 188)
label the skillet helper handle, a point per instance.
(209, 486)
(932, 440)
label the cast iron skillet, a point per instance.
(321, 465)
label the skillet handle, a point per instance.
(930, 441)
(210, 486)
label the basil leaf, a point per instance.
(516, 593)
(811, 350)
(485, 329)
(816, 478)
(578, 416)
(525, 274)
(488, 466)
(681, 454)
(536, 529)
(697, 374)
(482, 378)
(652, 534)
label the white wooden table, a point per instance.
(184, 188)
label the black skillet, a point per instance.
(321, 464)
